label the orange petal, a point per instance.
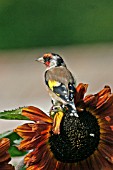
(25, 130)
(80, 91)
(101, 100)
(35, 155)
(106, 89)
(36, 114)
(4, 145)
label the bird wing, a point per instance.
(61, 82)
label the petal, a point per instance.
(89, 99)
(5, 157)
(4, 145)
(36, 114)
(80, 91)
(101, 100)
(106, 104)
(106, 89)
(25, 130)
(36, 155)
(6, 167)
(29, 130)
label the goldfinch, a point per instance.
(59, 81)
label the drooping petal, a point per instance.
(4, 155)
(80, 91)
(4, 145)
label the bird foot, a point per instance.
(55, 109)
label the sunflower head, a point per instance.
(67, 142)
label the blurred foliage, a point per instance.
(32, 23)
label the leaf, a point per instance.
(15, 114)
(13, 150)
(23, 168)
(15, 139)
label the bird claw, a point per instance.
(55, 109)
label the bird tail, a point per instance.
(72, 110)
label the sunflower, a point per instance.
(67, 142)
(4, 155)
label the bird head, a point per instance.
(51, 60)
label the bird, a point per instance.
(59, 81)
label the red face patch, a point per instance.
(47, 63)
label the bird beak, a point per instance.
(41, 60)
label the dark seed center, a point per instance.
(78, 139)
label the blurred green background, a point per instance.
(36, 23)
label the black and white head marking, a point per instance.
(58, 60)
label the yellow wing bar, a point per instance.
(53, 83)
